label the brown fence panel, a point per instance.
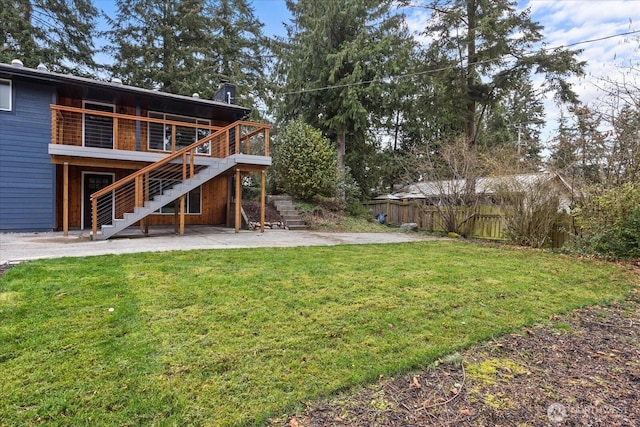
(487, 223)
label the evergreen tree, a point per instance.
(514, 122)
(305, 162)
(187, 46)
(623, 160)
(240, 50)
(331, 69)
(159, 44)
(56, 33)
(579, 151)
(485, 49)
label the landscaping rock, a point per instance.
(409, 226)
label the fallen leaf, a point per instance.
(416, 383)
(294, 423)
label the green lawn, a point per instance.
(231, 337)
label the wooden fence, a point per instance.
(487, 222)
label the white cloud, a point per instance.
(570, 22)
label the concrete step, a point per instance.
(288, 212)
(285, 206)
(297, 227)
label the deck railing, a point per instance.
(123, 196)
(85, 127)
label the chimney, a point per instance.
(226, 93)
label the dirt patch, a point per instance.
(581, 369)
(252, 210)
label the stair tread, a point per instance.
(159, 200)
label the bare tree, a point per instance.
(448, 183)
(531, 205)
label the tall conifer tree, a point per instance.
(486, 49)
(333, 67)
(187, 46)
(56, 33)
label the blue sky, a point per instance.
(565, 22)
(270, 12)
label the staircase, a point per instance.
(288, 212)
(131, 199)
(168, 195)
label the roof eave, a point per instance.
(50, 76)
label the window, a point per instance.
(98, 129)
(193, 199)
(5, 95)
(160, 135)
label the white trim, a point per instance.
(159, 211)
(84, 106)
(82, 213)
(2, 81)
(174, 117)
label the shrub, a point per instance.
(305, 163)
(530, 209)
(610, 221)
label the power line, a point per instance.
(436, 70)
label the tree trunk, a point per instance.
(341, 152)
(472, 60)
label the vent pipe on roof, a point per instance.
(196, 95)
(17, 63)
(42, 67)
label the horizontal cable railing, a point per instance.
(84, 127)
(123, 196)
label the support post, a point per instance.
(138, 192)
(226, 146)
(238, 151)
(116, 136)
(229, 192)
(182, 209)
(65, 199)
(94, 217)
(263, 196)
(173, 138)
(54, 126)
(176, 216)
(266, 142)
(184, 166)
(238, 200)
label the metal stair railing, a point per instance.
(132, 191)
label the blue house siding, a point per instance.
(27, 176)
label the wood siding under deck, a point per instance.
(213, 208)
